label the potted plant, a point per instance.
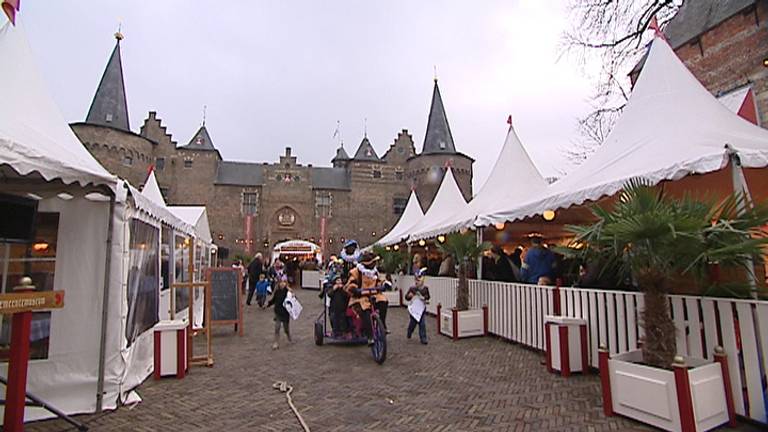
(460, 321)
(655, 240)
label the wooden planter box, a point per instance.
(170, 348)
(462, 324)
(694, 396)
(566, 343)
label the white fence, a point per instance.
(516, 313)
(310, 279)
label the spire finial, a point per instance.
(435, 76)
(365, 127)
(205, 107)
(119, 35)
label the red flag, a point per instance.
(654, 25)
(10, 7)
(509, 120)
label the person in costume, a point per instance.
(363, 284)
(418, 296)
(350, 255)
(338, 306)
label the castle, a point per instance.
(254, 205)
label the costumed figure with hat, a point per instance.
(418, 297)
(350, 256)
(364, 284)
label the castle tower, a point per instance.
(341, 160)
(426, 170)
(109, 106)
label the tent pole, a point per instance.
(740, 187)
(410, 260)
(479, 233)
(105, 307)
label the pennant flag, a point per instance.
(10, 7)
(654, 25)
(509, 120)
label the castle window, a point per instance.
(108, 118)
(323, 201)
(187, 163)
(160, 163)
(376, 174)
(127, 160)
(398, 205)
(398, 175)
(250, 203)
(400, 150)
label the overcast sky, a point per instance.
(281, 73)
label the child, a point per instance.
(261, 290)
(282, 317)
(338, 307)
(418, 295)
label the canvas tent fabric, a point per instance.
(513, 179)
(448, 200)
(411, 215)
(34, 138)
(671, 127)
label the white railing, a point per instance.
(516, 313)
(311, 279)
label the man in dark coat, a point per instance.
(255, 268)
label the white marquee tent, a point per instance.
(671, 127)
(513, 179)
(448, 200)
(98, 347)
(410, 217)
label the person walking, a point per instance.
(282, 317)
(418, 296)
(262, 287)
(255, 268)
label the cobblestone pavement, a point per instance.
(480, 384)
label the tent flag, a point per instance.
(10, 7)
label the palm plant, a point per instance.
(465, 250)
(654, 239)
(392, 261)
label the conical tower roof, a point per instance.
(341, 155)
(109, 106)
(438, 138)
(366, 152)
(201, 141)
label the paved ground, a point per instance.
(480, 384)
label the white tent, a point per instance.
(671, 127)
(513, 179)
(448, 200)
(96, 350)
(411, 215)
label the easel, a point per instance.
(192, 360)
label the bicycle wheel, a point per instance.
(379, 347)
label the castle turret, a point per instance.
(109, 106)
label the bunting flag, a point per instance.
(10, 7)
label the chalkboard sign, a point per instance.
(226, 302)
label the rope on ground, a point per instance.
(285, 388)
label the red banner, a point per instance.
(322, 234)
(247, 233)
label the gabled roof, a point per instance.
(513, 179)
(151, 190)
(34, 137)
(448, 200)
(329, 178)
(696, 17)
(366, 152)
(671, 127)
(239, 174)
(201, 141)
(410, 217)
(438, 138)
(341, 154)
(109, 106)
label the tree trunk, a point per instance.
(660, 342)
(462, 291)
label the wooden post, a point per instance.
(455, 321)
(556, 298)
(485, 320)
(722, 358)
(439, 307)
(684, 399)
(605, 380)
(565, 350)
(16, 390)
(548, 339)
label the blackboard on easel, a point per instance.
(226, 298)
